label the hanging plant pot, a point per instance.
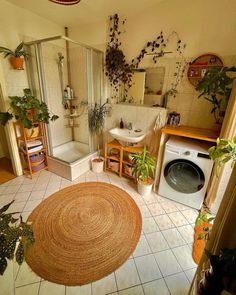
(30, 114)
(17, 62)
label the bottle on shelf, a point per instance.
(121, 124)
(68, 90)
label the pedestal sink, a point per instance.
(125, 136)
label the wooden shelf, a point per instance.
(192, 132)
(128, 176)
(120, 159)
(34, 172)
(113, 158)
(126, 162)
(25, 156)
(29, 139)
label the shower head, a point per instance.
(60, 58)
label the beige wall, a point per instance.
(205, 26)
(18, 25)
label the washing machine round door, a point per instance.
(184, 176)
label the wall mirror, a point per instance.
(146, 89)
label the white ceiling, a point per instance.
(87, 11)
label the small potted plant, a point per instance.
(16, 56)
(96, 120)
(27, 110)
(16, 236)
(144, 166)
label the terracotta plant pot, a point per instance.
(30, 114)
(199, 244)
(17, 62)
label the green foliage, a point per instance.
(96, 118)
(20, 105)
(144, 165)
(18, 52)
(5, 117)
(216, 87)
(224, 151)
(96, 121)
(15, 237)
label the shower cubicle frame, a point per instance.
(42, 83)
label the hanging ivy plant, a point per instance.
(118, 70)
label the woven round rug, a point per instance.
(83, 233)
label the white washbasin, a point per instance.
(126, 135)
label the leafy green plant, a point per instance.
(224, 151)
(120, 72)
(215, 87)
(16, 236)
(144, 165)
(18, 52)
(20, 106)
(96, 121)
(203, 219)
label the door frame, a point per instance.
(9, 129)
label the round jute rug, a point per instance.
(83, 233)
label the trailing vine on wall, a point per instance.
(120, 72)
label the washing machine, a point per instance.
(186, 170)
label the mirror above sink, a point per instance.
(147, 86)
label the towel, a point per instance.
(155, 136)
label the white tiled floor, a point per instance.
(160, 265)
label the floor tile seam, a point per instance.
(24, 285)
(139, 275)
(150, 246)
(116, 280)
(178, 260)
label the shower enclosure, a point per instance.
(68, 76)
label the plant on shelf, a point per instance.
(27, 109)
(224, 151)
(96, 121)
(16, 236)
(16, 56)
(215, 87)
(144, 166)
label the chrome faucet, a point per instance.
(129, 126)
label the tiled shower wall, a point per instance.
(60, 134)
(79, 81)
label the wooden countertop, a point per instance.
(192, 132)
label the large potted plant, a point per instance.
(96, 121)
(27, 109)
(16, 56)
(16, 236)
(215, 87)
(144, 166)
